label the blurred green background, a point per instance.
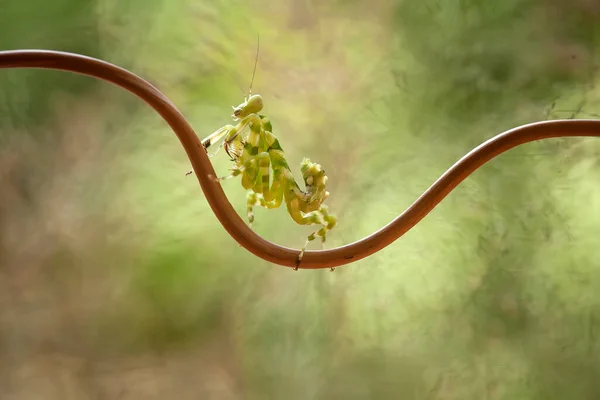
(117, 281)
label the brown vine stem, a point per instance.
(219, 203)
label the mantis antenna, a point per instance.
(255, 62)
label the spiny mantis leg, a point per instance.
(227, 134)
(215, 137)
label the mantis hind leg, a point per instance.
(271, 198)
(254, 199)
(248, 170)
(328, 222)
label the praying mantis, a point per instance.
(258, 157)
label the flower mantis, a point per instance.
(258, 158)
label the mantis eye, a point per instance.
(309, 180)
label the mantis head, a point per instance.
(251, 106)
(315, 181)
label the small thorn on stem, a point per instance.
(298, 261)
(331, 269)
(299, 258)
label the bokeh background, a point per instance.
(117, 282)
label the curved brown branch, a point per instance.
(226, 214)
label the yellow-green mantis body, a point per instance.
(258, 157)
